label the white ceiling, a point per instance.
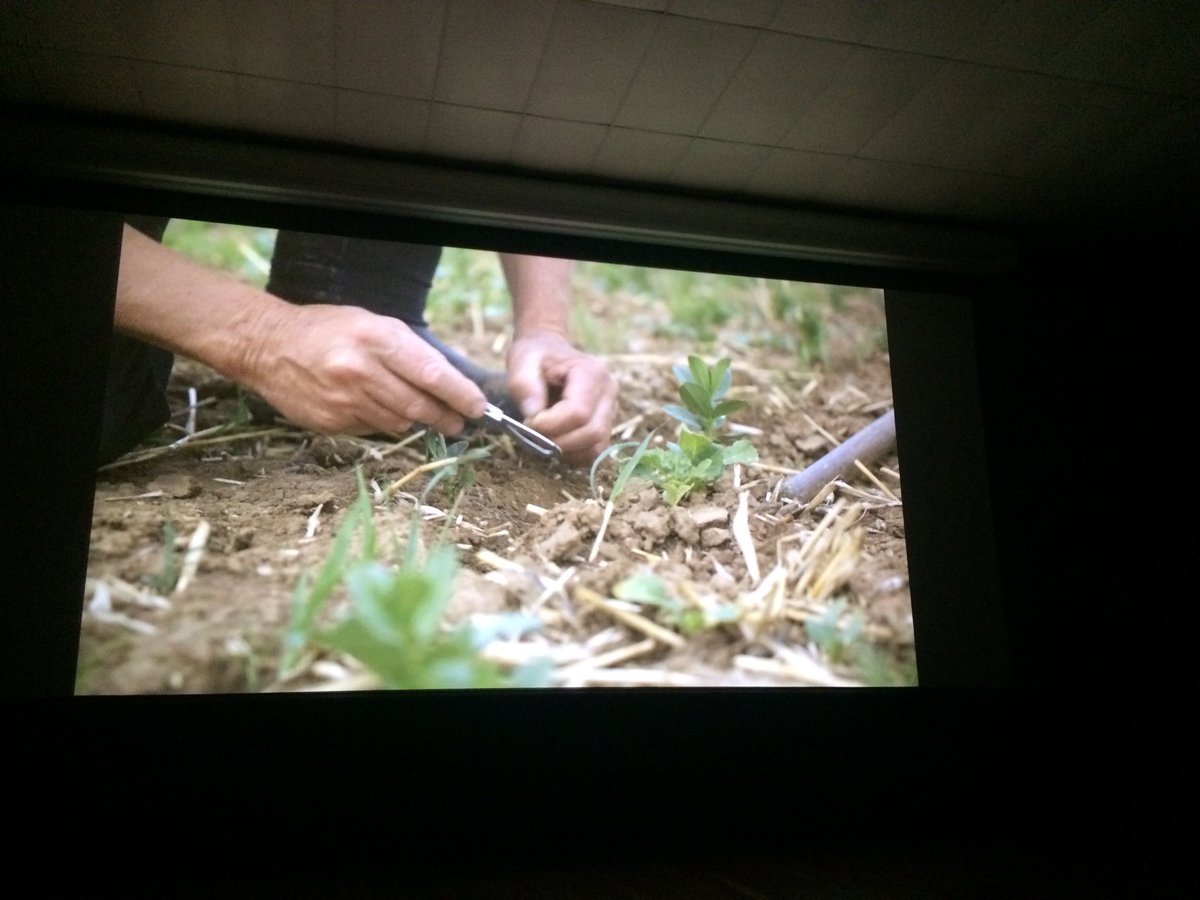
(994, 112)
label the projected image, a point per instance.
(699, 489)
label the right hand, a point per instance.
(344, 370)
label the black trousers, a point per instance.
(385, 277)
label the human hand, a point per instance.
(566, 394)
(344, 370)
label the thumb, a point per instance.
(526, 383)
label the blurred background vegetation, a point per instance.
(612, 302)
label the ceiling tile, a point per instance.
(862, 97)
(86, 81)
(1096, 120)
(717, 165)
(900, 187)
(556, 146)
(639, 155)
(1029, 106)
(1164, 138)
(187, 95)
(1168, 49)
(755, 13)
(388, 46)
(283, 39)
(776, 82)
(490, 52)
(86, 28)
(463, 133)
(656, 5)
(795, 175)
(381, 122)
(951, 102)
(1027, 34)
(591, 55)
(847, 20)
(932, 27)
(689, 64)
(288, 108)
(999, 197)
(186, 34)
(1172, 28)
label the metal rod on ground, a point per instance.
(869, 444)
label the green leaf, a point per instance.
(681, 373)
(692, 621)
(507, 626)
(457, 672)
(675, 491)
(725, 407)
(687, 418)
(608, 451)
(700, 373)
(441, 565)
(366, 519)
(533, 674)
(352, 637)
(394, 606)
(740, 451)
(708, 469)
(628, 469)
(310, 595)
(645, 587)
(693, 444)
(696, 400)
(652, 461)
(721, 377)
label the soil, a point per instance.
(263, 501)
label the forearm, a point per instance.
(168, 300)
(331, 368)
(541, 292)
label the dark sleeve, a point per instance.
(151, 226)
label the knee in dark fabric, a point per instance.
(386, 277)
(135, 395)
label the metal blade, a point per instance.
(532, 440)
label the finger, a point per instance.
(583, 444)
(527, 384)
(409, 405)
(587, 388)
(430, 373)
(376, 416)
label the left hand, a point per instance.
(566, 394)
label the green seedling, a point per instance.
(845, 644)
(393, 621)
(394, 628)
(648, 589)
(703, 389)
(460, 473)
(695, 461)
(170, 563)
(834, 639)
(627, 467)
(623, 475)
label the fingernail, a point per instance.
(530, 408)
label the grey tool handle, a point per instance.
(866, 446)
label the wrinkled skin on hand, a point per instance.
(344, 370)
(566, 394)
